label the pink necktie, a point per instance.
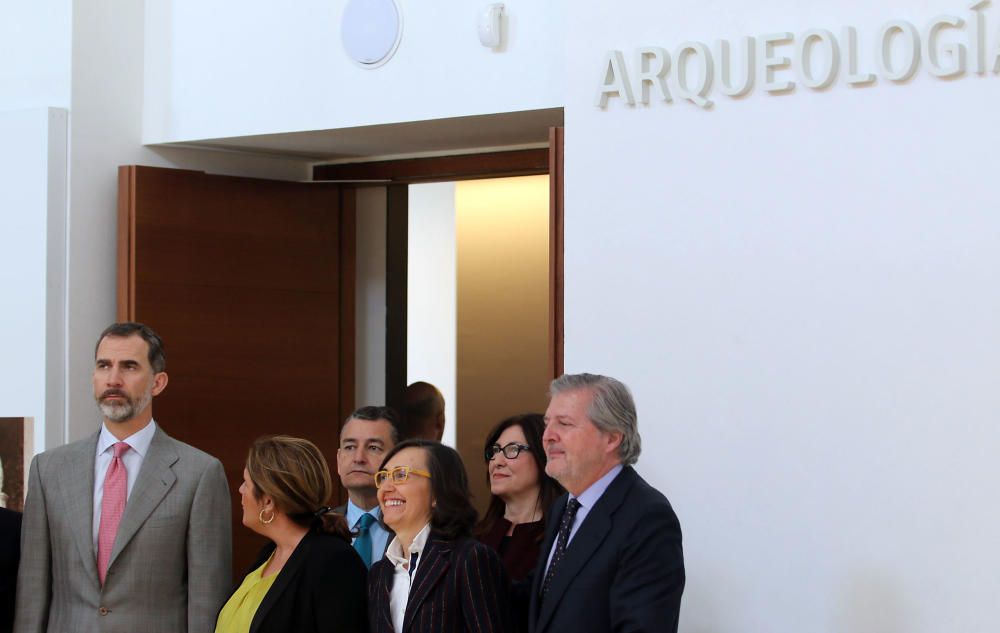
(112, 508)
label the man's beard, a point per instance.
(123, 411)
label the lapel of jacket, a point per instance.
(287, 574)
(551, 527)
(588, 538)
(79, 501)
(431, 566)
(155, 480)
(382, 598)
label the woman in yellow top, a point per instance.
(308, 579)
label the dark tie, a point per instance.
(565, 527)
(363, 541)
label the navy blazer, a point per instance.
(320, 588)
(623, 570)
(459, 587)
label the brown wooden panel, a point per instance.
(126, 204)
(556, 187)
(525, 162)
(348, 293)
(396, 267)
(247, 282)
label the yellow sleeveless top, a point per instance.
(238, 613)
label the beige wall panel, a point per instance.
(502, 228)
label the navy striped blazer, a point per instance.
(459, 587)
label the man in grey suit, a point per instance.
(129, 529)
(367, 435)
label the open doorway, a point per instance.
(478, 304)
(460, 284)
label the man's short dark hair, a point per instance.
(372, 413)
(157, 357)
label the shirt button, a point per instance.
(103, 611)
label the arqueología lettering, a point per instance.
(948, 46)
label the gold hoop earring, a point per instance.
(260, 517)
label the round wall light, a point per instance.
(370, 31)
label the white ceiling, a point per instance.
(439, 136)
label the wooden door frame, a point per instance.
(396, 175)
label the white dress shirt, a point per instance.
(132, 459)
(403, 574)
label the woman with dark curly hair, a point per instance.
(435, 578)
(308, 579)
(521, 492)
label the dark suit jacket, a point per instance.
(623, 570)
(10, 554)
(458, 587)
(320, 588)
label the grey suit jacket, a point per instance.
(170, 568)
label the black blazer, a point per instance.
(623, 570)
(459, 587)
(321, 588)
(10, 554)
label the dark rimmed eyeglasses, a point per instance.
(398, 475)
(510, 451)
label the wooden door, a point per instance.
(251, 285)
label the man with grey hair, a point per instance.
(612, 557)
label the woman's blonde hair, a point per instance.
(294, 473)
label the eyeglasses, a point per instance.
(510, 451)
(399, 474)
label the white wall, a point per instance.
(369, 306)
(431, 291)
(32, 267)
(802, 292)
(34, 92)
(35, 54)
(237, 68)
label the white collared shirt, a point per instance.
(132, 459)
(403, 574)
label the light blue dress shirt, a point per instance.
(380, 536)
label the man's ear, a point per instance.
(614, 440)
(159, 383)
